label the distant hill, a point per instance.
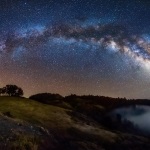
(46, 98)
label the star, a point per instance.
(82, 47)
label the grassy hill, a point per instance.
(29, 125)
(35, 112)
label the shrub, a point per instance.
(46, 98)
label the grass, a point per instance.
(23, 142)
(35, 112)
(80, 133)
(100, 133)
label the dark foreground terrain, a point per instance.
(70, 123)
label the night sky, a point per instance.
(99, 47)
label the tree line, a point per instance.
(11, 90)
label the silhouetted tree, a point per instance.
(119, 118)
(2, 91)
(13, 90)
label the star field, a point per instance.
(84, 47)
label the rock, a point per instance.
(8, 114)
(42, 129)
(20, 124)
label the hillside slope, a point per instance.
(27, 124)
(34, 112)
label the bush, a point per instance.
(46, 98)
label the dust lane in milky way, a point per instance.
(51, 48)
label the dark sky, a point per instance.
(99, 47)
